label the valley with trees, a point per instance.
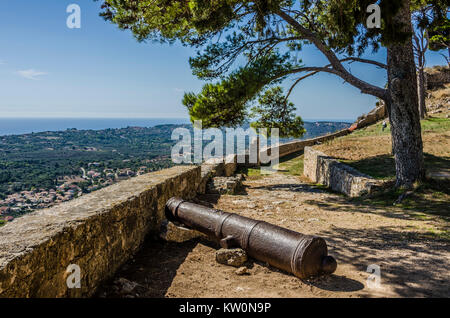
(42, 169)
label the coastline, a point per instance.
(27, 125)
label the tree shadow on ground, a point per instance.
(411, 264)
(429, 199)
(414, 207)
(383, 166)
(294, 187)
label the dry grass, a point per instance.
(440, 93)
(436, 69)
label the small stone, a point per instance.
(234, 256)
(224, 185)
(126, 286)
(313, 220)
(173, 233)
(241, 271)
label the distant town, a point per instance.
(40, 170)
(92, 178)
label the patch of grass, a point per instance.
(252, 173)
(438, 234)
(292, 165)
(435, 124)
(289, 165)
(383, 166)
(320, 186)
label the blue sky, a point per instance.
(49, 70)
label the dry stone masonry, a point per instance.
(298, 145)
(320, 168)
(224, 185)
(98, 232)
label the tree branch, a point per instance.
(357, 59)
(338, 68)
(299, 80)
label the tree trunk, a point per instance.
(422, 92)
(448, 60)
(403, 107)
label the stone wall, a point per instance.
(217, 167)
(98, 232)
(320, 168)
(299, 145)
(375, 115)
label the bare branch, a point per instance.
(357, 59)
(338, 68)
(299, 80)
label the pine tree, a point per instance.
(428, 18)
(249, 47)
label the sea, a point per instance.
(18, 126)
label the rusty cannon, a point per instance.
(296, 253)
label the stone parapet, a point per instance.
(320, 168)
(97, 232)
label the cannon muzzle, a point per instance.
(296, 253)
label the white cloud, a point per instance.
(31, 74)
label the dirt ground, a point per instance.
(413, 262)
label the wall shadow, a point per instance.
(152, 270)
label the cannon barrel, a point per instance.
(296, 253)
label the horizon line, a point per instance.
(143, 118)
